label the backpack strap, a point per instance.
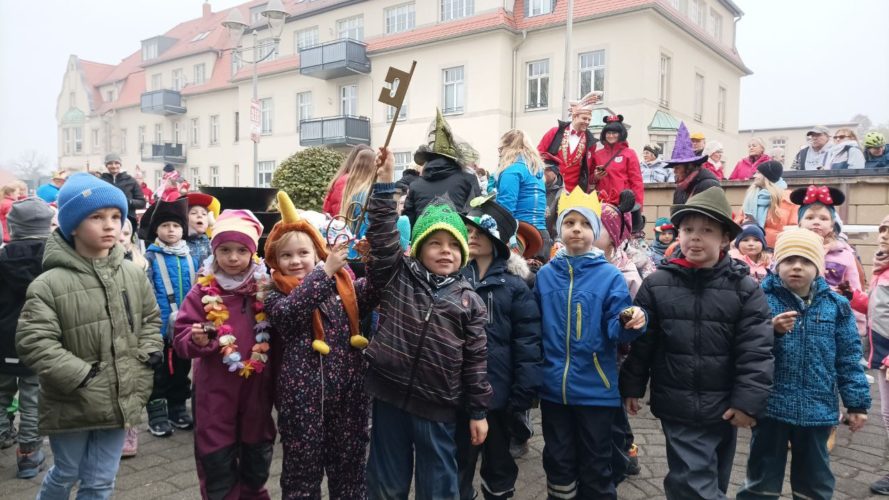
(168, 284)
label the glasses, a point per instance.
(840, 137)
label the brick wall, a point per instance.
(867, 202)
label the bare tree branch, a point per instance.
(31, 165)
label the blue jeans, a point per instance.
(394, 437)
(28, 388)
(91, 457)
(810, 475)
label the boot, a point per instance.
(158, 420)
(179, 417)
(633, 468)
(29, 464)
(130, 443)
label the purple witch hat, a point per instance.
(683, 152)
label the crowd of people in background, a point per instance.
(442, 307)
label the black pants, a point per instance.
(499, 470)
(577, 451)
(174, 387)
(699, 459)
(621, 441)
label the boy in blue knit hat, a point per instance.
(89, 329)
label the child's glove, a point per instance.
(155, 359)
(94, 370)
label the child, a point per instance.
(203, 210)
(664, 234)
(586, 310)
(767, 202)
(131, 251)
(816, 356)
(20, 262)
(708, 351)
(171, 272)
(514, 353)
(89, 329)
(316, 308)
(749, 247)
(222, 326)
(878, 321)
(428, 358)
(617, 225)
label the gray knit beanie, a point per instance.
(29, 218)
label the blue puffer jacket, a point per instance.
(513, 332)
(870, 161)
(581, 299)
(816, 359)
(180, 278)
(523, 193)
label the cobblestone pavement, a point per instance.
(165, 468)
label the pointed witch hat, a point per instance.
(442, 141)
(683, 152)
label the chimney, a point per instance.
(207, 12)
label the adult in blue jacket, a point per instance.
(521, 187)
(50, 191)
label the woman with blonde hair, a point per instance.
(361, 177)
(767, 202)
(334, 198)
(846, 152)
(521, 188)
(756, 155)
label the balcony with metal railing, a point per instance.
(334, 59)
(165, 152)
(335, 131)
(163, 102)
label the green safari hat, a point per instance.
(710, 203)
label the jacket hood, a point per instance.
(439, 168)
(725, 266)
(515, 266)
(121, 176)
(18, 266)
(59, 253)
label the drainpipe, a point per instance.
(566, 78)
(515, 56)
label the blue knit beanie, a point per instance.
(752, 230)
(83, 194)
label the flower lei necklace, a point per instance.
(218, 314)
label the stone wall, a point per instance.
(867, 202)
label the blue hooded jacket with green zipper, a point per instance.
(581, 299)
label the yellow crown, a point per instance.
(579, 199)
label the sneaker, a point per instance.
(130, 443)
(8, 438)
(880, 486)
(633, 468)
(158, 420)
(180, 418)
(29, 464)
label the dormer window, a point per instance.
(256, 14)
(200, 36)
(149, 50)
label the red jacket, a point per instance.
(745, 168)
(622, 173)
(334, 199)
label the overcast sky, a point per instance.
(813, 61)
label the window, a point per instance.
(214, 176)
(306, 38)
(109, 96)
(123, 140)
(349, 100)
(699, 97)
(178, 79)
(195, 132)
(697, 11)
(264, 172)
(664, 81)
(236, 64)
(720, 109)
(237, 174)
(266, 50)
(352, 27)
(456, 9)
(390, 110)
(195, 175)
(95, 140)
(402, 161)
(400, 18)
(680, 5)
(256, 14)
(141, 136)
(538, 84)
(158, 133)
(214, 130)
(66, 140)
(303, 107)
(199, 73)
(665, 142)
(78, 140)
(176, 133)
(237, 126)
(157, 81)
(265, 115)
(452, 99)
(158, 177)
(149, 50)
(200, 36)
(72, 100)
(779, 142)
(592, 72)
(538, 7)
(715, 25)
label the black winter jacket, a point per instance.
(21, 261)
(704, 181)
(131, 189)
(441, 175)
(515, 355)
(708, 347)
(407, 178)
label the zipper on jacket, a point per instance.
(697, 326)
(567, 336)
(579, 320)
(601, 371)
(410, 383)
(490, 307)
(126, 305)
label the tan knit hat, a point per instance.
(802, 243)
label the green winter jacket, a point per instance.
(82, 311)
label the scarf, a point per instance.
(685, 183)
(345, 288)
(592, 254)
(180, 248)
(242, 284)
(881, 262)
(659, 248)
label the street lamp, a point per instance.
(275, 16)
